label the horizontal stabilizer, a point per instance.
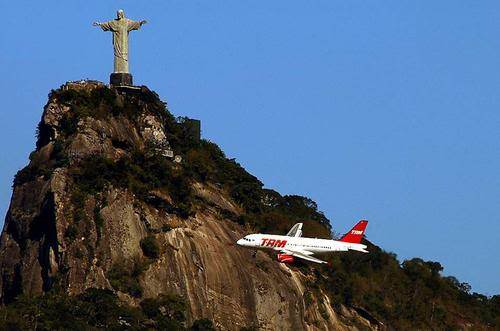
(359, 248)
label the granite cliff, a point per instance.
(70, 229)
(104, 205)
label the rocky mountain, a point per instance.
(105, 215)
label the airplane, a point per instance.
(294, 245)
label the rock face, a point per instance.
(61, 233)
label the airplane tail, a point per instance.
(295, 231)
(356, 234)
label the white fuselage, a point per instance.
(312, 245)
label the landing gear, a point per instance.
(254, 254)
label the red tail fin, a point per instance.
(356, 234)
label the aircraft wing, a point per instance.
(303, 255)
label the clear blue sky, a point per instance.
(384, 110)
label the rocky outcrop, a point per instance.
(60, 234)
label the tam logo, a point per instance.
(273, 242)
(357, 232)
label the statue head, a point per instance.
(120, 14)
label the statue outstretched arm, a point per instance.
(106, 26)
(133, 25)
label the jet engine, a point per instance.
(285, 258)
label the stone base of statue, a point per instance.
(120, 79)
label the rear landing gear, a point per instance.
(254, 254)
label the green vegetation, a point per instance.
(203, 324)
(408, 295)
(95, 309)
(30, 173)
(167, 310)
(98, 103)
(150, 247)
(140, 173)
(266, 210)
(71, 232)
(413, 295)
(101, 102)
(124, 276)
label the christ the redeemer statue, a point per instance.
(120, 27)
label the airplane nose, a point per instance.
(240, 242)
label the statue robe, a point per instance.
(120, 28)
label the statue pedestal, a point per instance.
(120, 79)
